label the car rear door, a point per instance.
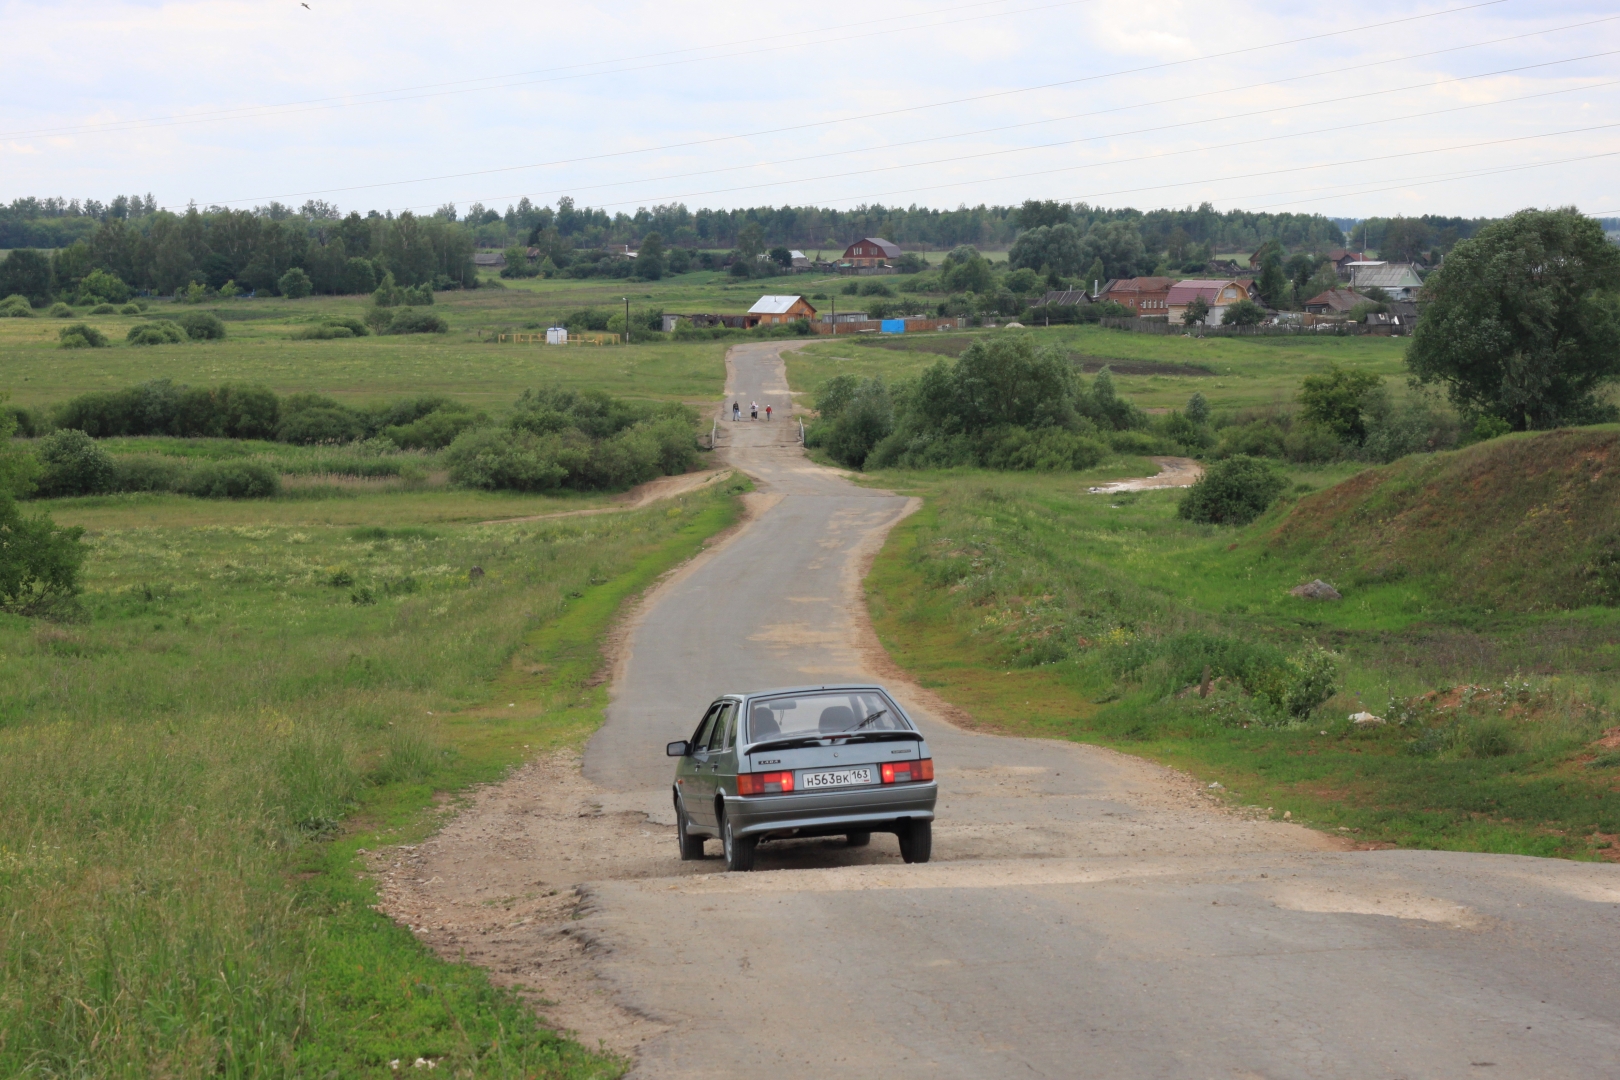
(692, 772)
(706, 767)
(723, 752)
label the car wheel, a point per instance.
(691, 846)
(917, 841)
(739, 849)
(858, 839)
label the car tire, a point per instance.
(858, 839)
(691, 846)
(739, 849)
(917, 841)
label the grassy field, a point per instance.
(1047, 611)
(1155, 372)
(258, 688)
(468, 363)
(257, 691)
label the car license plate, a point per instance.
(843, 778)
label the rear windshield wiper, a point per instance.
(786, 743)
(885, 736)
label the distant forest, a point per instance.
(160, 251)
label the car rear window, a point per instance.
(823, 713)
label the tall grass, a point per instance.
(171, 770)
(1050, 611)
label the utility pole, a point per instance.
(627, 320)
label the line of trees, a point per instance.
(165, 253)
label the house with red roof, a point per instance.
(1218, 293)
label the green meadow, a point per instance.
(1046, 610)
(256, 688)
(1154, 371)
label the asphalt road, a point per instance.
(1086, 915)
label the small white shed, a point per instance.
(557, 335)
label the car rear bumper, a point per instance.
(867, 809)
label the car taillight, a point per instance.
(764, 783)
(906, 772)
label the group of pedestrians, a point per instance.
(753, 411)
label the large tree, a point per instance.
(26, 272)
(1523, 321)
(1054, 249)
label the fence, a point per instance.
(573, 339)
(912, 326)
(1331, 329)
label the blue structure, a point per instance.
(893, 326)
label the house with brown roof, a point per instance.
(1341, 259)
(1333, 302)
(870, 251)
(779, 309)
(1218, 293)
(1149, 297)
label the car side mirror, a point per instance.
(676, 749)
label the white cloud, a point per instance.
(123, 63)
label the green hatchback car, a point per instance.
(802, 762)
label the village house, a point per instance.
(797, 259)
(1341, 260)
(870, 251)
(1218, 293)
(1064, 298)
(1149, 297)
(771, 310)
(489, 260)
(1333, 302)
(1399, 280)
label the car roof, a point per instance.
(781, 690)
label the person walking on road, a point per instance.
(736, 411)
(753, 410)
(767, 412)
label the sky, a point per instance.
(1456, 107)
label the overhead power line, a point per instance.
(852, 118)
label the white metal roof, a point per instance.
(773, 305)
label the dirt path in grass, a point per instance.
(1174, 472)
(665, 487)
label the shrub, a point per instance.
(81, 336)
(60, 310)
(559, 438)
(436, 430)
(1046, 450)
(146, 472)
(232, 480)
(519, 461)
(163, 332)
(417, 296)
(16, 306)
(202, 326)
(1243, 313)
(319, 423)
(130, 309)
(294, 284)
(323, 332)
(1232, 492)
(39, 562)
(73, 465)
(103, 309)
(99, 286)
(1258, 438)
(1307, 443)
(414, 321)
